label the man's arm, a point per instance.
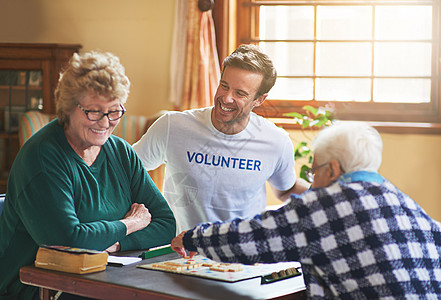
(152, 145)
(299, 187)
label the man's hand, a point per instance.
(178, 246)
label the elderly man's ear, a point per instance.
(336, 170)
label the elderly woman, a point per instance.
(355, 233)
(73, 183)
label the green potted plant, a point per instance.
(312, 119)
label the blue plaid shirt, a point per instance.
(359, 238)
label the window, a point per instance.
(371, 60)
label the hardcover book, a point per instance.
(71, 260)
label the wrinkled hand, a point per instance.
(137, 218)
(178, 246)
(114, 248)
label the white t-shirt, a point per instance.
(211, 176)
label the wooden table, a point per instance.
(129, 282)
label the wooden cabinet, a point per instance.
(28, 76)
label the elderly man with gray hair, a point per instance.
(356, 235)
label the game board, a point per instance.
(203, 267)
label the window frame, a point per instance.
(410, 117)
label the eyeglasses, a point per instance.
(309, 174)
(96, 115)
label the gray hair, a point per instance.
(355, 145)
(95, 72)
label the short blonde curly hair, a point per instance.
(95, 72)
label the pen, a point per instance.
(156, 251)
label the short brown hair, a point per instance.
(250, 57)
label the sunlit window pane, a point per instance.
(351, 89)
(344, 59)
(402, 90)
(403, 22)
(371, 52)
(403, 59)
(292, 88)
(344, 22)
(291, 59)
(286, 22)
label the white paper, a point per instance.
(122, 260)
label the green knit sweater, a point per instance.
(54, 198)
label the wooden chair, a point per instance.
(30, 123)
(130, 128)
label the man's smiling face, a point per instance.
(235, 99)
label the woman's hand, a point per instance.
(114, 248)
(137, 218)
(178, 246)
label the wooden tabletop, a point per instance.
(129, 282)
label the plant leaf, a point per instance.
(301, 150)
(311, 109)
(321, 122)
(303, 170)
(306, 123)
(294, 115)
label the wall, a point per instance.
(140, 33)
(413, 163)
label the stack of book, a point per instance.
(72, 260)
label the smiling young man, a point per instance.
(218, 158)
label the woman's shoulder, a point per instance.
(117, 142)
(43, 153)
(119, 147)
(47, 139)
